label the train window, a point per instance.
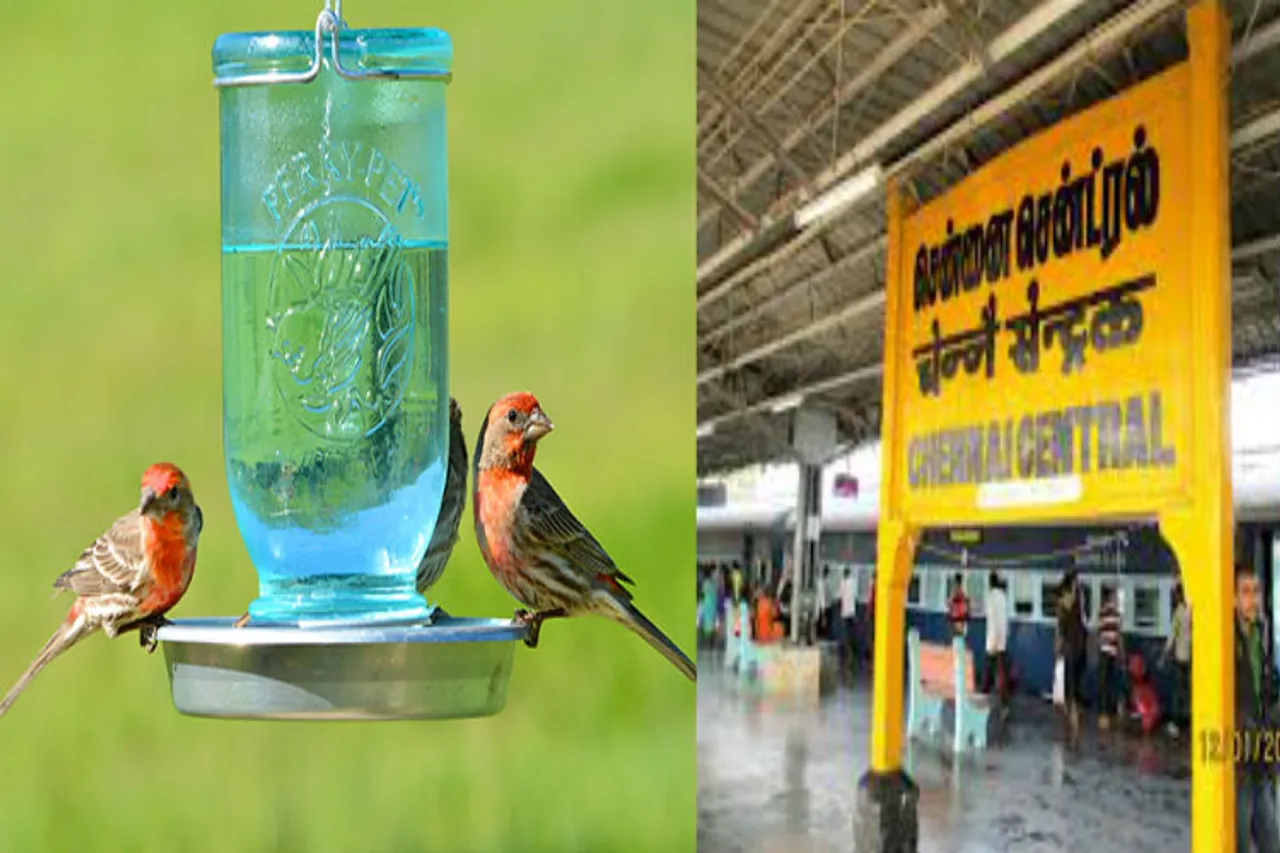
(935, 594)
(1023, 588)
(1049, 598)
(1146, 606)
(864, 583)
(913, 589)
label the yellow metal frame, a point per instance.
(1197, 522)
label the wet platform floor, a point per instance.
(775, 777)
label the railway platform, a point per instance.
(778, 776)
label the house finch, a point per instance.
(132, 574)
(532, 543)
(455, 497)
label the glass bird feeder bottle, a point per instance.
(335, 386)
(334, 301)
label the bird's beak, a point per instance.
(148, 498)
(538, 426)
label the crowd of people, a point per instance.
(722, 587)
(1122, 681)
(832, 612)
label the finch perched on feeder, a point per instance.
(131, 575)
(455, 498)
(534, 546)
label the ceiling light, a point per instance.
(840, 197)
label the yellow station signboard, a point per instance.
(1058, 348)
(1042, 325)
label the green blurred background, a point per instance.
(572, 173)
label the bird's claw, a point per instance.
(532, 623)
(241, 622)
(149, 634)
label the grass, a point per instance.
(571, 174)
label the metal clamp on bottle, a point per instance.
(331, 23)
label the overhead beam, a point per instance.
(916, 32)
(972, 45)
(709, 185)
(859, 307)
(819, 58)
(871, 371)
(714, 110)
(762, 54)
(771, 140)
(1264, 38)
(1256, 130)
(834, 39)
(852, 258)
(1255, 248)
(1006, 44)
(1003, 46)
(1105, 37)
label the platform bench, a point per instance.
(939, 674)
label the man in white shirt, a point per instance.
(997, 637)
(848, 611)
(819, 623)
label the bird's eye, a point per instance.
(511, 416)
(172, 493)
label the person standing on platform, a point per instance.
(1070, 646)
(786, 588)
(1178, 649)
(707, 610)
(997, 610)
(1110, 650)
(1255, 719)
(818, 627)
(848, 613)
(832, 580)
(958, 607)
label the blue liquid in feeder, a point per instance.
(334, 259)
(336, 432)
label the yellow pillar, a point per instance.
(895, 549)
(1202, 533)
(885, 813)
(1202, 545)
(894, 546)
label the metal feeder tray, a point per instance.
(451, 668)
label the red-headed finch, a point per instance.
(131, 575)
(532, 543)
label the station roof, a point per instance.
(795, 95)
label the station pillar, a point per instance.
(885, 819)
(804, 556)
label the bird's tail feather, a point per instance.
(74, 628)
(624, 612)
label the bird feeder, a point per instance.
(335, 385)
